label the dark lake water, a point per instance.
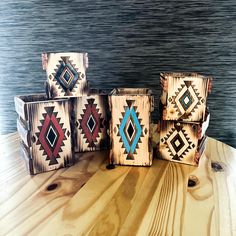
(129, 43)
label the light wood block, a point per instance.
(181, 141)
(129, 128)
(44, 128)
(91, 118)
(186, 96)
(66, 73)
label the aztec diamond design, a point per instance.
(186, 99)
(91, 123)
(51, 135)
(66, 75)
(177, 142)
(130, 130)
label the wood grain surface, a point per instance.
(128, 43)
(165, 199)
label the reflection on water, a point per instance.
(128, 42)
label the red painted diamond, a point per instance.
(51, 136)
(91, 122)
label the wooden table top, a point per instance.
(87, 199)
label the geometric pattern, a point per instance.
(51, 135)
(91, 123)
(177, 142)
(66, 75)
(130, 130)
(186, 100)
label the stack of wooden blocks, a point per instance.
(70, 117)
(184, 116)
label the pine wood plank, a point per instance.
(124, 201)
(25, 198)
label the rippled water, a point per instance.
(128, 42)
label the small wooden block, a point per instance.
(130, 126)
(92, 121)
(44, 128)
(66, 73)
(186, 96)
(179, 141)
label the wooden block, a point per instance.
(181, 141)
(66, 73)
(92, 121)
(185, 96)
(46, 141)
(130, 126)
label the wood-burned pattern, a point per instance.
(179, 141)
(66, 73)
(92, 122)
(44, 128)
(129, 127)
(186, 95)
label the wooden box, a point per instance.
(129, 126)
(44, 128)
(185, 96)
(66, 73)
(91, 117)
(182, 142)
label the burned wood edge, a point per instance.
(73, 128)
(24, 133)
(20, 107)
(26, 154)
(131, 92)
(111, 157)
(200, 149)
(165, 74)
(209, 84)
(164, 82)
(46, 55)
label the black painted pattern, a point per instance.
(128, 42)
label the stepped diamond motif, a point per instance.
(177, 142)
(130, 130)
(66, 74)
(51, 135)
(91, 123)
(186, 99)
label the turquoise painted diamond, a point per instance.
(130, 130)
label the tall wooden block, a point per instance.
(129, 127)
(92, 121)
(66, 73)
(181, 141)
(44, 128)
(186, 96)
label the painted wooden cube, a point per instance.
(66, 74)
(184, 97)
(91, 116)
(44, 128)
(182, 142)
(130, 126)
